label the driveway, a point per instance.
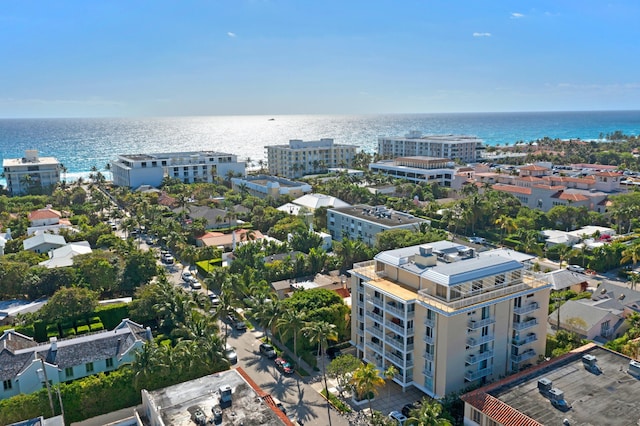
(301, 400)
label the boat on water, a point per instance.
(272, 119)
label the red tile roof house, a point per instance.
(48, 220)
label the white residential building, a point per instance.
(454, 147)
(189, 167)
(447, 317)
(420, 169)
(31, 173)
(364, 222)
(263, 186)
(299, 158)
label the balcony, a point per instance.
(399, 361)
(427, 372)
(528, 354)
(480, 340)
(376, 317)
(428, 339)
(400, 329)
(475, 324)
(523, 325)
(475, 358)
(428, 356)
(527, 308)
(477, 374)
(399, 311)
(375, 331)
(376, 301)
(377, 347)
(430, 322)
(531, 337)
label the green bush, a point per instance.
(112, 315)
(40, 328)
(27, 330)
(338, 405)
(83, 329)
(95, 320)
(67, 332)
(96, 326)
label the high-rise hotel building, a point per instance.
(299, 158)
(448, 317)
(454, 147)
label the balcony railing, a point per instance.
(399, 345)
(399, 312)
(475, 358)
(430, 322)
(524, 340)
(506, 289)
(472, 375)
(480, 340)
(375, 331)
(376, 317)
(427, 372)
(428, 356)
(428, 339)
(399, 361)
(376, 301)
(528, 354)
(475, 324)
(527, 308)
(375, 346)
(523, 325)
(398, 328)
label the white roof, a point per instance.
(314, 201)
(290, 208)
(508, 253)
(553, 236)
(590, 230)
(43, 238)
(64, 255)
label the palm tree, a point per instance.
(389, 374)
(266, 313)
(366, 382)
(507, 225)
(321, 332)
(427, 415)
(631, 253)
(634, 279)
(292, 321)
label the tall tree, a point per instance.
(366, 382)
(321, 332)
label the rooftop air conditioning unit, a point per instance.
(634, 368)
(544, 385)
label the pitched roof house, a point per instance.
(68, 359)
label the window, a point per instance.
(7, 384)
(476, 415)
(109, 362)
(89, 366)
(491, 423)
(68, 371)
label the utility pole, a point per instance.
(46, 381)
(557, 299)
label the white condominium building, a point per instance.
(299, 158)
(135, 170)
(447, 317)
(460, 147)
(31, 173)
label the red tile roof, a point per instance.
(534, 168)
(47, 213)
(569, 196)
(512, 189)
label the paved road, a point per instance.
(302, 401)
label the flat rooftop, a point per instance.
(177, 403)
(382, 216)
(609, 397)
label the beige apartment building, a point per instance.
(448, 317)
(299, 158)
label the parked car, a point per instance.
(333, 352)
(408, 408)
(575, 268)
(230, 354)
(187, 276)
(195, 284)
(284, 366)
(214, 298)
(267, 350)
(398, 417)
(477, 240)
(168, 259)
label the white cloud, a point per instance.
(516, 15)
(230, 34)
(482, 34)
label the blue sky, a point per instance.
(157, 58)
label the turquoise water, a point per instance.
(82, 143)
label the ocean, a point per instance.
(81, 143)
